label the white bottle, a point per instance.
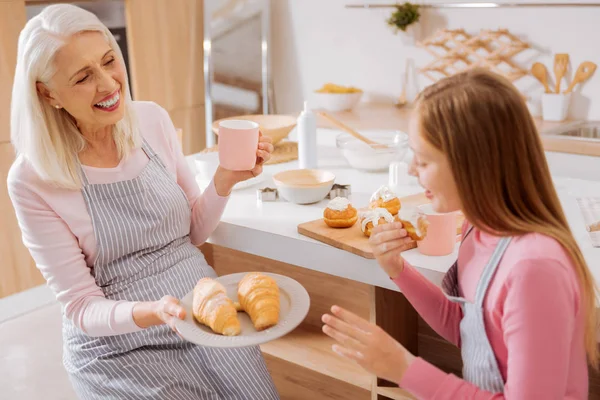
(307, 138)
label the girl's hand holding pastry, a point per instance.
(386, 241)
(367, 344)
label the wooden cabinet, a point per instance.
(165, 41)
(12, 20)
(17, 269)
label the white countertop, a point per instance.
(269, 229)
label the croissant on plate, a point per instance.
(258, 296)
(212, 307)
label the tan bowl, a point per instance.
(304, 186)
(277, 127)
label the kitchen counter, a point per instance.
(269, 229)
(388, 116)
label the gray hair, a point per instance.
(47, 137)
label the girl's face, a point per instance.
(433, 170)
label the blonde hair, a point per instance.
(481, 123)
(47, 137)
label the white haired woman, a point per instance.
(111, 214)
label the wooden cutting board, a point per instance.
(352, 239)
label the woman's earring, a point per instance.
(57, 106)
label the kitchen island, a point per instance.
(263, 236)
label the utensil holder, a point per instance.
(555, 106)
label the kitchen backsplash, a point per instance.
(319, 41)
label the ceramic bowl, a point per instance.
(337, 101)
(304, 186)
(277, 127)
(363, 157)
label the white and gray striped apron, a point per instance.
(142, 231)
(480, 366)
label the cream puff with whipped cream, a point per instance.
(385, 198)
(340, 213)
(371, 218)
(415, 223)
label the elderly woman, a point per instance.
(111, 214)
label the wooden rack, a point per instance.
(479, 5)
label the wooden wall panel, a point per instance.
(12, 20)
(17, 269)
(165, 40)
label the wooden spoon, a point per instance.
(351, 131)
(584, 71)
(541, 73)
(561, 63)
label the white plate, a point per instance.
(203, 183)
(294, 300)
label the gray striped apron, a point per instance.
(142, 231)
(480, 366)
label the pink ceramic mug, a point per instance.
(238, 142)
(441, 232)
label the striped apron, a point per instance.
(479, 361)
(142, 231)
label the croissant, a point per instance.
(212, 307)
(258, 295)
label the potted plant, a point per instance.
(404, 16)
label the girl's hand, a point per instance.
(367, 344)
(226, 179)
(386, 241)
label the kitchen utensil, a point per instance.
(294, 306)
(539, 71)
(238, 141)
(351, 131)
(402, 99)
(590, 211)
(441, 232)
(584, 71)
(277, 127)
(393, 146)
(304, 186)
(352, 239)
(561, 63)
(555, 106)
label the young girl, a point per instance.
(520, 300)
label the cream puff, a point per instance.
(373, 217)
(385, 198)
(339, 213)
(414, 222)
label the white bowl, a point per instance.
(304, 186)
(337, 101)
(363, 157)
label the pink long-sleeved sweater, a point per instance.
(533, 318)
(58, 232)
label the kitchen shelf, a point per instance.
(394, 393)
(479, 5)
(309, 347)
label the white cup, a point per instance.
(398, 173)
(555, 106)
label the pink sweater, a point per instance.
(533, 319)
(58, 232)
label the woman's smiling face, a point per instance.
(88, 81)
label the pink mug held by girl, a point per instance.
(441, 232)
(238, 142)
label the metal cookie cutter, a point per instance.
(267, 194)
(339, 191)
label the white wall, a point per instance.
(319, 41)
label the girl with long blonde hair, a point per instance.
(520, 300)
